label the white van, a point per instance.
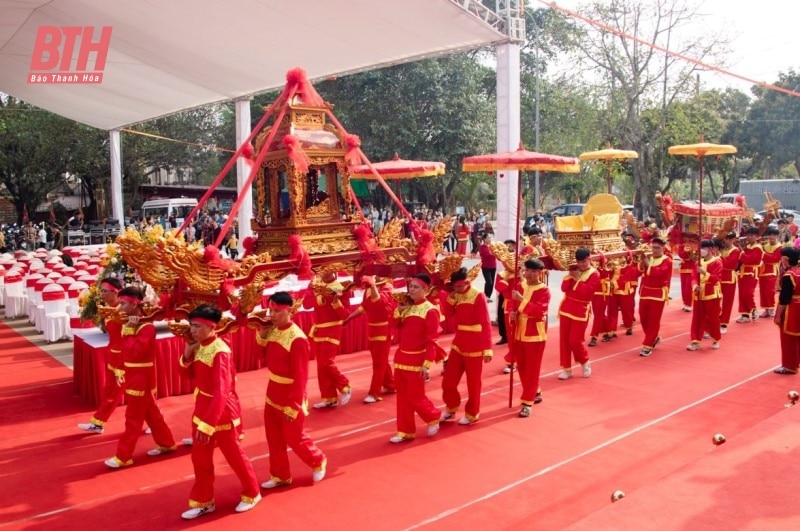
(727, 198)
(163, 209)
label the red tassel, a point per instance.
(367, 244)
(296, 153)
(425, 251)
(296, 76)
(299, 257)
(249, 245)
(353, 142)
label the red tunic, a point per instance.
(654, 284)
(419, 329)
(473, 325)
(751, 258)
(709, 282)
(329, 313)
(287, 355)
(730, 262)
(212, 372)
(578, 294)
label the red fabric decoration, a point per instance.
(212, 257)
(353, 142)
(299, 257)
(425, 251)
(668, 212)
(740, 201)
(296, 153)
(225, 289)
(367, 244)
(296, 77)
(249, 245)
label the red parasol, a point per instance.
(520, 160)
(398, 168)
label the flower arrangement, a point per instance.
(113, 266)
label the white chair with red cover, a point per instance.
(37, 315)
(16, 299)
(74, 293)
(55, 321)
(30, 284)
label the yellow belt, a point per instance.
(328, 325)
(378, 324)
(469, 328)
(129, 364)
(280, 379)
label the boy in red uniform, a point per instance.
(112, 390)
(378, 305)
(687, 270)
(326, 339)
(138, 373)
(471, 347)
(768, 274)
(707, 295)
(286, 406)
(531, 332)
(418, 331)
(787, 315)
(579, 286)
(653, 294)
(729, 254)
(216, 414)
(750, 260)
(599, 309)
(622, 299)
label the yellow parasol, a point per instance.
(701, 150)
(608, 155)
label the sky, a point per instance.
(762, 35)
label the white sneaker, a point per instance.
(274, 483)
(187, 441)
(706, 336)
(687, 308)
(464, 421)
(565, 375)
(723, 329)
(346, 397)
(715, 345)
(160, 451)
(323, 404)
(433, 429)
(245, 506)
(191, 514)
(398, 439)
(447, 415)
(587, 370)
(113, 463)
(319, 473)
(91, 428)
(148, 431)
(369, 399)
(694, 345)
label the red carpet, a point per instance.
(641, 425)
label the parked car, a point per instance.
(573, 209)
(783, 213)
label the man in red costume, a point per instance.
(600, 307)
(378, 306)
(579, 286)
(138, 373)
(326, 299)
(729, 253)
(707, 296)
(768, 274)
(688, 271)
(622, 299)
(418, 331)
(530, 320)
(287, 353)
(113, 391)
(653, 294)
(787, 314)
(210, 364)
(470, 349)
(505, 283)
(750, 260)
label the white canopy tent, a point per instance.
(172, 55)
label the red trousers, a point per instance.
(142, 409)
(411, 399)
(571, 335)
(599, 323)
(790, 351)
(328, 375)
(202, 493)
(650, 316)
(687, 290)
(381, 370)
(511, 329)
(530, 364)
(457, 365)
(705, 318)
(728, 294)
(110, 399)
(766, 291)
(617, 304)
(747, 294)
(282, 434)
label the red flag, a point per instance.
(25, 217)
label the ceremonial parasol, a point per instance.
(608, 155)
(397, 169)
(520, 160)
